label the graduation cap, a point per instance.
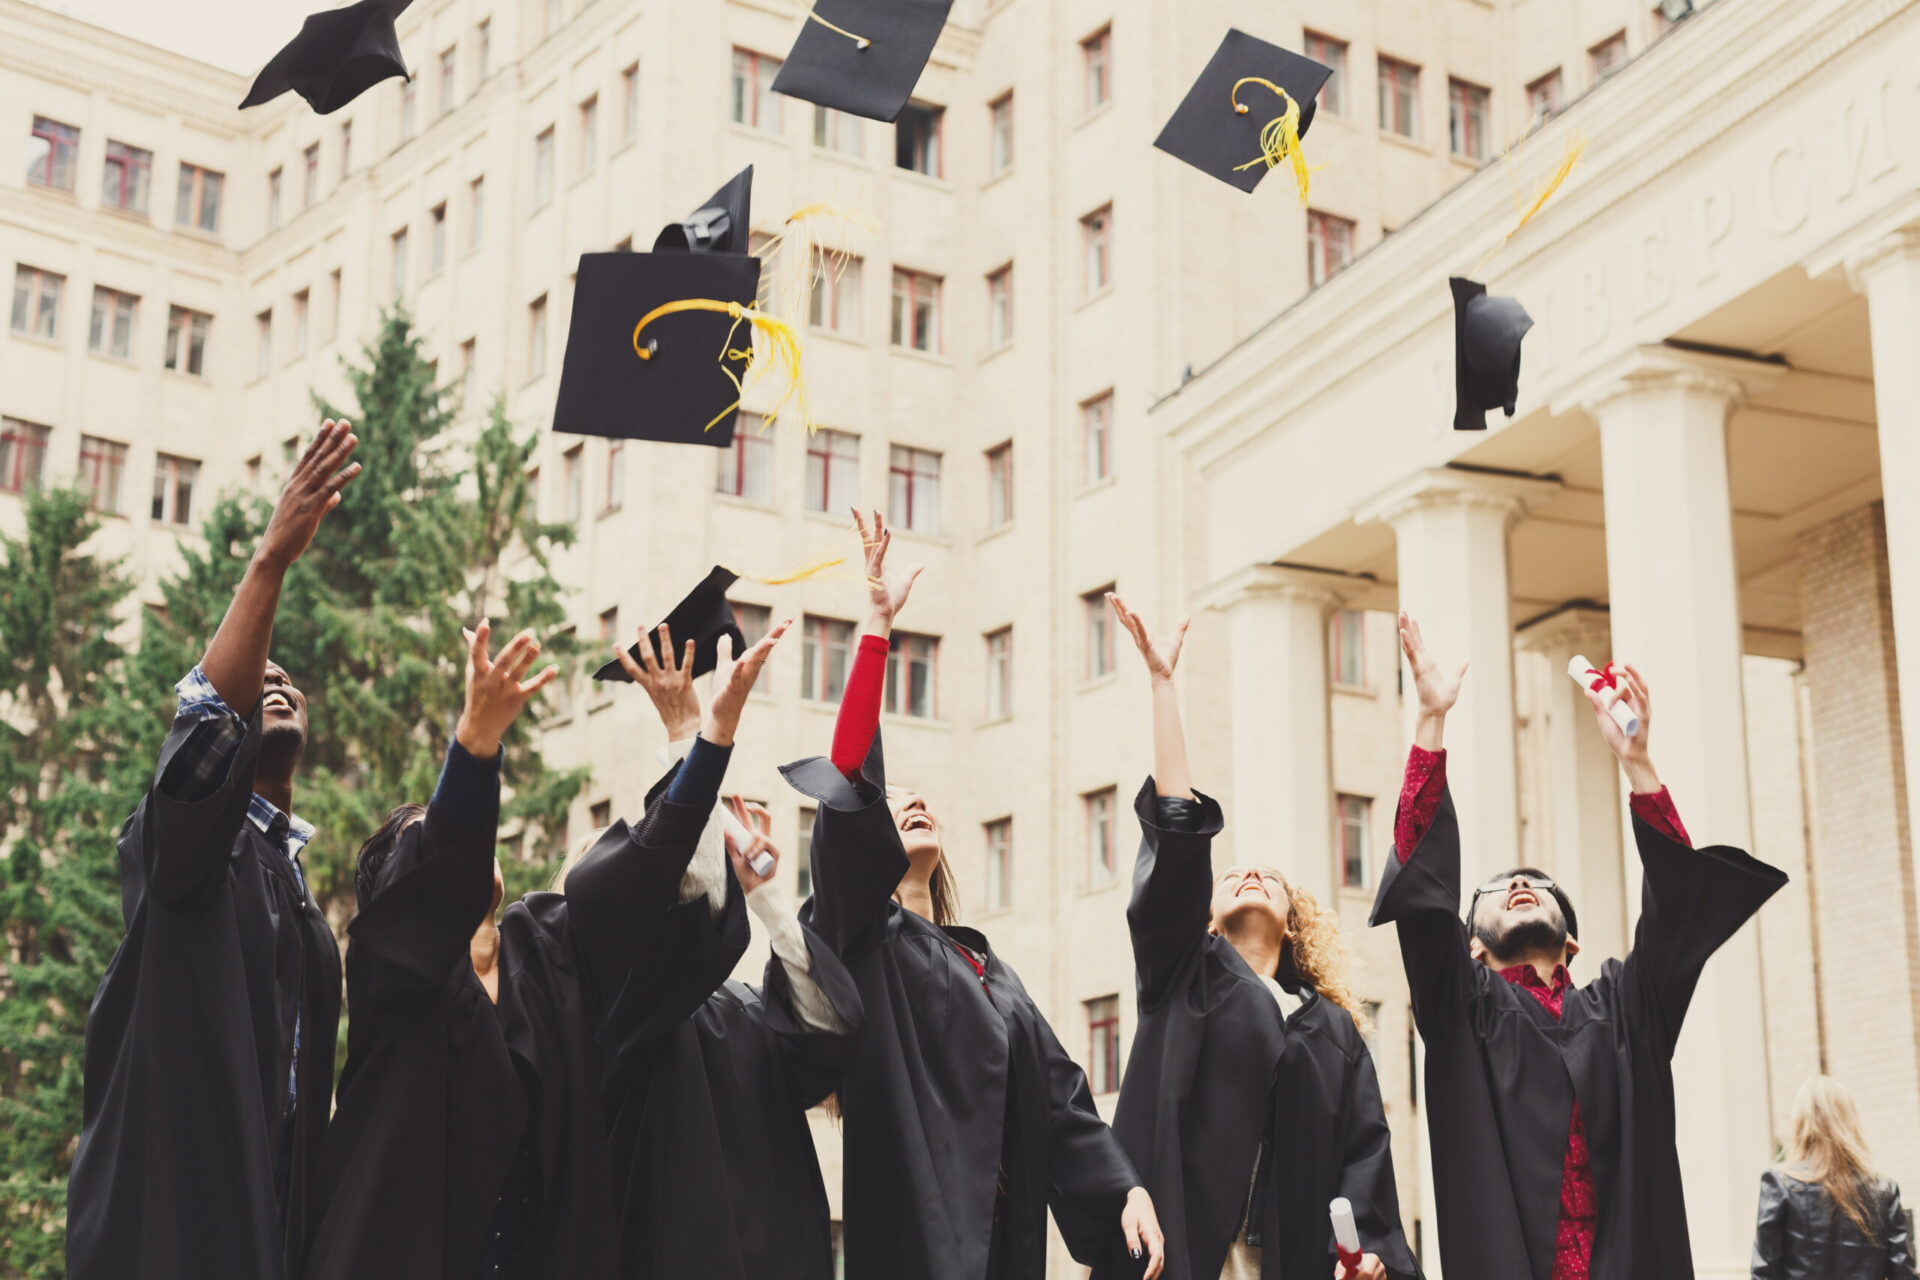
(1486, 353)
(337, 56)
(721, 225)
(704, 616)
(862, 56)
(1247, 112)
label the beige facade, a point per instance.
(1743, 192)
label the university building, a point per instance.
(1070, 363)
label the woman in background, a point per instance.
(1824, 1213)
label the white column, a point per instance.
(1582, 788)
(1675, 614)
(1282, 755)
(1450, 528)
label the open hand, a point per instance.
(1438, 687)
(733, 681)
(1630, 687)
(312, 490)
(495, 692)
(1162, 655)
(1141, 1227)
(886, 593)
(1371, 1268)
(756, 819)
(668, 680)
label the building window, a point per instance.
(1000, 486)
(333, 304)
(826, 644)
(173, 480)
(346, 149)
(1608, 56)
(1000, 673)
(916, 139)
(1096, 56)
(610, 624)
(754, 103)
(1330, 53)
(476, 211)
(754, 621)
(838, 131)
(127, 176)
(615, 492)
(1544, 97)
(833, 471)
(1000, 308)
(468, 372)
(437, 239)
(999, 864)
(301, 308)
(911, 663)
(1355, 812)
(112, 331)
(835, 305)
(310, 180)
(1329, 245)
(407, 94)
(484, 35)
(1096, 434)
(556, 15)
(1347, 640)
(1000, 145)
(572, 484)
(273, 198)
(1099, 632)
(23, 455)
(745, 469)
(543, 168)
(36, 301)
(398, 261)
(1101, 866)
(916, 310)
(1467, 119)
(630, 104)
(198, 203)
(187, 340)
(1096, 251)
(600, 814)
(1103, 1044)
(102, 464)
(913, 489)
(50, 154)
(537, 338)
(1400, 97)
(589, 136)
(263, 343)
(446, 80)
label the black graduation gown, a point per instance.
(714, 1162)
(1502, 1073)
(443, 1088)
(1218, 1081)
(956, 1078)
(190, 1044)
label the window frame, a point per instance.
(544, 143)
(1103, 1044)
(1615, 48)
(59, 139)
(911, 477)
(1551, 88)
(104, 342)
(1000, 308)
(1100, 406)
(999, 670)
(1341, 624)
(310, 176)
(449, 73)
(537, 338)
(925, 151)
(736, 466)
(1395, 78)
(573, 466)
(824, 446)
(920, 286)
(821, 636)
(1096, 636)
(1096, 70)
(1096, 244)
(630, 103)
(1348, 821)
(1469, 118)
(196, 182)
(21, 441)
(1000, 138)
(839, 132)
(168, 485)
(587, 124)
(896, 692)
(613, 488)
(187, 334)
(1322, 245)
(1100, 819)
(36, 302)
(997, 837)
(97, 459)
(1000, 507)
(135, 185)
(1329, 52)
(263, 343)
(747, 108)
(833, 299)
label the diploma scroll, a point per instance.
(1587, 677)
(762, 862)
(1346, 1236)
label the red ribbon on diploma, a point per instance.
(1351, 1261)
(1604, 678)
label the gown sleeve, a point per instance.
(1770, 1232)
(1088, 1174)
(813, 1013)
(858, 860)
(1172, 890)
(434, 889)
(1899, 1239)
(1691, 901)
(1366, 1172)
(183, 832)
(1421, 895)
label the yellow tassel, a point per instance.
(1524, 208)
(859, 42)
(783, 346)
(1280, 138)
(815, 242)
(811, 569)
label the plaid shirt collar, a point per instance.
(299, 830)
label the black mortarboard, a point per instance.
(721, 225)
(1211, 135)
(703, 617)
(862, 56)
(1486, 353)
(337, 56)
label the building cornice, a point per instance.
(1449, 487)
(1327, 590)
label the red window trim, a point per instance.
(896, 649)
(55, 141)
(20, 435)
(1321, 49)
(1110, 1026)
(1394, 73)
(755, 63)
(821, 446)
(1340, 817)
(1102, 401)
(129, 161)
(914, 280)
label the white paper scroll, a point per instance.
(1583, 675)
(762, 862)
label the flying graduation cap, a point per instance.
(703, 617)
(1486, 353)
(721, 225)
(1247, 113)
(862, 56)
(337, 56)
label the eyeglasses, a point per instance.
(1542, 883)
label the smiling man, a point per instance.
(1551, 1105)
(209, 1059)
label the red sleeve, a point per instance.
(1420, 796)
(860, 706)
(1657, 811)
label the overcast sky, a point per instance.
(239, 35)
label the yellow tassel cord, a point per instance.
(811, 569)
(1525, 208)
(1280, 138)
(783, 346)
(859, 42)
(814, 244)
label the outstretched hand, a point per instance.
(1438, 687)
(495, 692)
(1162, 655)
(886, 592)
(757, 820)
(1630, 687)
(733, 681)
(1140, 1225)
(668, 680)
(312, 490)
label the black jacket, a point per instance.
(190, 1044)
(1802, 1235)
(1217, 1081)
(1502, 1073)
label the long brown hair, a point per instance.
(944, 891)
(1317, 953)
(1827, 1147)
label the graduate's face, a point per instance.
(283, 719)
(1518, 921)
(919, 829)
(1243, 895)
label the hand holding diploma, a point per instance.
(750, 847)
(1619, 699)
(1593, 680)
(1354, 1265)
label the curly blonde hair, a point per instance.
(1316, 952)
